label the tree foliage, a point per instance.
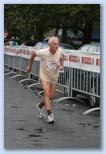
(26, 20)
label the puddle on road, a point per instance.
(21, 129)
(40, 130)
(15, 120)
(96, 126)
(37, 138)
(67, 110)
(37, 132)
(21, 120)
(67, 107)
(34, 135)
(14, 106)
(85, 124)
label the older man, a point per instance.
(50, 63)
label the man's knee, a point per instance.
(46, 93)
(51, 96)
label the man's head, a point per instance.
(53, 43)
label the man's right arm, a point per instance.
(29, 66)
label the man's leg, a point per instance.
(47, 98)
(52, 90)
(46, 88)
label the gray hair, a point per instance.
(53, 38)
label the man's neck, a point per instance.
(52, 51)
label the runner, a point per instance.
(50, 63)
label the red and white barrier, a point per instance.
(75, 59)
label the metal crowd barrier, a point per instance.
(16, 63)
(86, 82)
(9, 63)
(72, 80)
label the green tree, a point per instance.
(26, 20)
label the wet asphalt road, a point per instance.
(23, 129)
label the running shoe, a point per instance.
(40, 111)
(50, 119)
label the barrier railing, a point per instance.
(81, 71)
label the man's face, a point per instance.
(54, 45)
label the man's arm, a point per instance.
(29, 67)
(62, 63)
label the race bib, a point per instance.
(52, 64)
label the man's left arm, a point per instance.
(62, 62)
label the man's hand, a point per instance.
(61, 68)
(29, 66)
(28, 69)
(62, 64)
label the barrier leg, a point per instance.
(32, 85)
(17, 75)
(64, 98)
(91, 110)
(26, 79)
(11, 72)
